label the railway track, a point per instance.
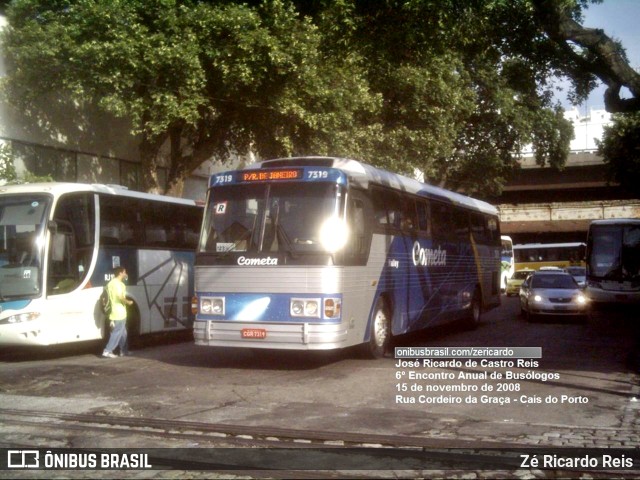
(261, 451)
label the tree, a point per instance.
(620, 148)
(454, 89)
(459, 102)
(203, 79)
(7, 170)
(587, 53)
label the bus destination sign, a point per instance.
(271, 175)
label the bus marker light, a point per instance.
(194, 305)
(332, 307)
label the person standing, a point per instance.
(117, 292)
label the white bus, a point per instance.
(321, 253)
(508, 262)
(613, 262)
(59, 243)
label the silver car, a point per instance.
(579, 274)
(552, 293)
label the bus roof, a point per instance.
(363, 174)
(617, 221)
(548, 245)
(60, 188)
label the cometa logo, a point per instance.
(257, 262)
(429, 257)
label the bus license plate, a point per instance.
(253, 333)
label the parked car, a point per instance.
(513, 284)
(579, 274)
(552, 293)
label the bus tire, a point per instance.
(472, 319)
(380, 332)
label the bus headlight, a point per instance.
(305, 307)
(21, 318)
(333, 234)
(212, 306)
(297, 308)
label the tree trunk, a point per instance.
(608, 64)
(149, 150)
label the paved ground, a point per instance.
(338, 392)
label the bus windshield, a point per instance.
(21, 245)
(615, 252)
(285, 217)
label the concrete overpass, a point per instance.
(561, 218)
(548, 205)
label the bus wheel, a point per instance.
(380, 334)
(473, 316)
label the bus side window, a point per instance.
(358, 211)
(120, 221)
(394, 209)
(379, 207)
(186, 231)
(156, 225)
(423, 215)
(356, 215)
(479, 229)
(460, 221)
(387, 208)
(409, 219)
(441, 221)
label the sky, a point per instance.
(620, 20)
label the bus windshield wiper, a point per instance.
(282, 236)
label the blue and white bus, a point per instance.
(59, 243)
(321, 253)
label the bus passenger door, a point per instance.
(71, 247)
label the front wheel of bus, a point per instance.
(380, 333)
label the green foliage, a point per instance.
(454, 89)
(7, 170)
(620, 148)
(8, 174)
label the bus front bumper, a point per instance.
(284, 336)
